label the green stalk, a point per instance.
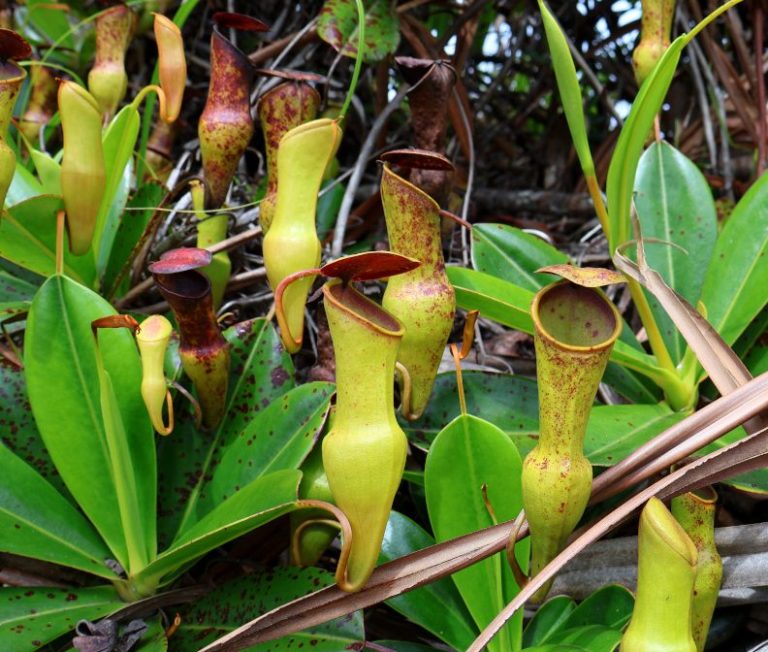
(358, 59)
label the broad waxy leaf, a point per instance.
(610, 606)
(279, 437)
(259, 502)
(513, 255)
(49, 171)
(31, 617)
(51, 22)
(337, 26)
(15, 289)
(629, 147)
(227, 606)
(438, 606)
(471, 454)
(736, 283)
(675, 205)
(510, 402)
(28, 239)
(614, 431)
(495, 298)
(260, 371)
(60, 362)
(37, 521)
(20, 432)
(24, 186)
(548, 620)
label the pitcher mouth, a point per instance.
(575, 317)
(348, 299)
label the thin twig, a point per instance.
(760, 77)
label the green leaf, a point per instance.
(279, 437)
(467, 455)
(510, 402)
(736, 284)
(20, 432)
(230, 605)
(675, 205)
(15, 289)
(568, 85)
(328, 205)
(548, 620)
(32, 617)
(629, 147)
(49, 171)
(594, 638)
(757, 360)
(513, 255)
(62, 381)
(260, 372)
(610, 606)
(615, 431)
(495, 298)
(38, 522)
(337, 26)
(753, 481)
(437, 606)
(11, 308)
(257, 503)
(129, 233)
(51, 22)
(119, 142)
(28, 239)
(24, 186)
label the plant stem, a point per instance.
(358, 59)
(651, 328)
(597, 200)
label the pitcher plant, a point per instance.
(666, 568)
(433, 82)
(655, 35)
(695, 511)
(203, 350)
(83, 171)
(212, 229)
(424, 299)
(42, 102)
(282, 108)
(575, 329)
(107, 80)
(152, 339)
(364, 453)
(226, 126)
(292, 245)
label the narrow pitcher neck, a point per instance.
(574, 331)
(365, 340)
(413, 221)
(11, 79)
